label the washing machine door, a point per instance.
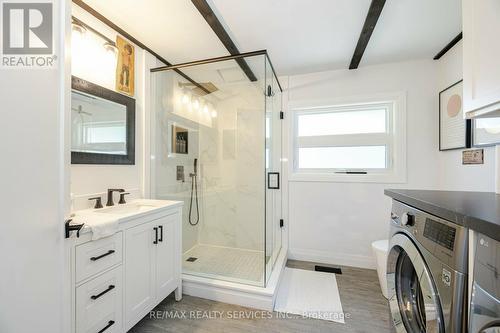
(413, 298)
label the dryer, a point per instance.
(485, 303)
(426, 272)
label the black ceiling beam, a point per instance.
(125, 34)
(448, 46)
(212, 20)
(370, 22)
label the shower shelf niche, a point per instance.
(179, 140)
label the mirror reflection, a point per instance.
(97, 125)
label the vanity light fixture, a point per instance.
(78, 28)
(110, 47)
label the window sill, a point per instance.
(388, 178)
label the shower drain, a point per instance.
(191, 259)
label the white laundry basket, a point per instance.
(380, 250)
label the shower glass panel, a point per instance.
(215, 135)
(273, 169)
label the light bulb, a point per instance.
(78, 38)
(196, 104)
(78, 28)
(205, 109)
(185, 98)
(214, 114)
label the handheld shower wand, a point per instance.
(194, 188)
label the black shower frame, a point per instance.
(218, 59)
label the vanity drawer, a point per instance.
(96, 256)
(99, 303)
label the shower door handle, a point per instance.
(273, 180)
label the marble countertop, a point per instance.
(123, 213)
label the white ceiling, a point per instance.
(172, 28)
(301, 35)
(409, 29)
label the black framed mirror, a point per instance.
(102, 125)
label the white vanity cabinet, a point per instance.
(139, 272)
(152, 265)
(481, 57)
(119, 279)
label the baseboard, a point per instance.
(329, 258)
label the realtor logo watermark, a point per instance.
(27, 35)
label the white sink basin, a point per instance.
(130, 208)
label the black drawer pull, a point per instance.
(161, 233)
(156, 235)
(94, 297)
(102, 255)
(110, 323)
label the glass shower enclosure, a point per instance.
(216, 146)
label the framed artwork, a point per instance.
(125, 67)
(454, 130)
(485, 132)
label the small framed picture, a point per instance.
(485, 132)
(454, 130)
(125, 68)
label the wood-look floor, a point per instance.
(365, 308)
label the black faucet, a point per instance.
(110, 195)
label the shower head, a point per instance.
(195, 166)
(201, 89)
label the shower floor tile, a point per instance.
(225, 263)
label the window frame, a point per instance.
(394, 139)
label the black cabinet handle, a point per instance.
(156, 235)
(110, 323)
(102, 255)
(161, 233)
(94, 297)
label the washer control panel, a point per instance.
(444, 239)
(440, 233)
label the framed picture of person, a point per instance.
(125, 67)
(454, 130)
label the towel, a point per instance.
(101, 225)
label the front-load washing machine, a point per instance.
(426, 272)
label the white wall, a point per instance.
(33, 176)
(452, 174)
(91, 180)
(336, 222)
